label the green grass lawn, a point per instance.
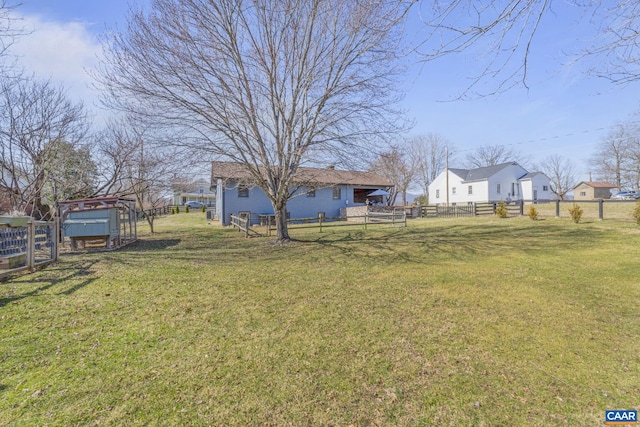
(446, 322)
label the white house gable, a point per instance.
(506, 181)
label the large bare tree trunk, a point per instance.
(282, 232)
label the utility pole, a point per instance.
(446, 171)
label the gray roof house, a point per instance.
(318, 190)
(506, 181)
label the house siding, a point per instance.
(537, 183)
(485, 189)
(591, 193)
(299, 206)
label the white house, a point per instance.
(506, 181)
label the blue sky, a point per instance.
(563, 112)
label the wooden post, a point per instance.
(521, 207)
(54, 238)
(557, 208)
(601, 209)
(320, 217)
(31, 245)
(246, 228)
(366, 215)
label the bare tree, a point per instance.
(271, 85)
(8, 33)
(613, 155)
(510, 27)
(134, 164)
(491, 155)
(399, 167)
(561, 172)
(35, 119)
(430, 152)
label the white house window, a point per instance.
(243, 191)
(453, 190)
(470, 189)
(337, 193)
(437, 194)
(311, 192)
(498, 189)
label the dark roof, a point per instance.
(597, 184)
(480, 174)
(530, 175)
(237, 171)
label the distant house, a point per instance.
(318, 190)
(199, 190)
(506, 181)
(589, 190)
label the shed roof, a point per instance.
(330, 176)
(594, 184)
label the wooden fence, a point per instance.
(23, 249)
(469, 210)
(266, 223)
(593, 209)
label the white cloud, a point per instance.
(61, 51)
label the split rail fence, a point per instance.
(264, 224)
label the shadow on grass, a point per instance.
(420, 243)
(151, 245)
(457, 241)
(75, 271)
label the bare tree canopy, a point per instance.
(510, 29)
(613, 155)
(38, 124)
(399, 167)
(491, 155)
(8, 31)
(561, 173)
(134, 164)
(269, 84)
(430, 152)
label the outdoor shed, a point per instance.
(110, 221)
(589, 190)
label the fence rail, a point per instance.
(242, 223)
(595, 209)
(25, 248)
(266, 222)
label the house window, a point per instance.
(453, 190)
(243, 191)
(583, 193)
(513, 188)
(470, 189)
(337, 193)
(311, 192)
(437, 194)
(545, 188)
(498, 189)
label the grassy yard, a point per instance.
(447, 322)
